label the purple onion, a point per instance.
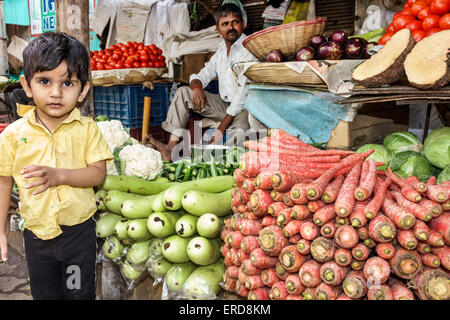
(275, 56)
(305, 54)
(316, 40)
(338, 36)
(354, 48)
(369, 45)
(330, 51)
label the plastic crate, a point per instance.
(126, 103)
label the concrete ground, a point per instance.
(14, 282)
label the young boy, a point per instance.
(56, 157)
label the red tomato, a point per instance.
(151, 64)
(418, 35)
(108, 67)
(416, 7)
(101, 52)
(385, 38)
(425, 12)
(428, 2)
(137, 64)
(401, 21)
(144, 64)
(119, 65)
(144, 57)
(101, 60)
(432, 30)
(112, 63)
(159, 51)
(115, 56)
(157, 64)
(430, 22)
(152, 46)
(163, 64)
(414, 25)
(440, 7)
(390, 28)
(161, 58)
(127, 65)
(404, 11)
(100, 66)
(129, 44)
(444, 22)
(410, 2)
(140, 46)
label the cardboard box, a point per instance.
(192, 63)
(371, 125)
(3, 58)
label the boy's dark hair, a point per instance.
(47, 51)
(227, 8)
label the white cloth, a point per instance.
(220, 66)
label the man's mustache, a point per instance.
(231, 31)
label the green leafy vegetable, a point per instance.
(402, 141)
(444, 175)
(436, 147)
(410, 163)
(381, 154)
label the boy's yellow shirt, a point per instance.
(74, 144)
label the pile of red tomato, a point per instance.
(128, 55)
(3, 126)
(421, 17)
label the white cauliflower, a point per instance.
(113, 133)
(141, 161)
(111, 168)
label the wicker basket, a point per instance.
(125, 76)
(279, 73)
(287, 37)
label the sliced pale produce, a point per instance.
(427, 66)
(386, 66)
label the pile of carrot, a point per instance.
(312, 224)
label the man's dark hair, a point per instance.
(226, 9)
(47, 51)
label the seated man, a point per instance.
(226, 108)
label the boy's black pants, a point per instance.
(63, 268)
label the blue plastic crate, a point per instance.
(126, 103)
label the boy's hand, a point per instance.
(49, 177)
(4, 247)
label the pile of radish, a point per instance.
(328, 225)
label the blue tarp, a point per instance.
(301, 114)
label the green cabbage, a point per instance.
(381, 154)
(444, 175)
(436, 147)
(410, 163)
(402, 141)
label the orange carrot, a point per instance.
(304, 246)
(287, 199)
(365, 188)
(343, 257)
(374, 205)
(282, 273)
(322, 249)
(284, 217)
(250, 227)
(402, 217)
(423, 247)
(399, 290)
(382, 229)
(406, 264)
(300, 212)
(381, 292)
(324, 214)
(333, 274)
(235, 239)
(416, 184)
(230, 284)
(292, 228)
(261, 260)
(308, 293)
(443, 254)
(313, 206)
(357, 217)
(268, 220)
(406, 189)
(238, 177)
(355, 285)
(346, 237)
(328, 230)
(275, 208)
(284, 181)
(253, 282)
(233, 256)
(431, 260)
(376, 270)
(271, 240)
(242, 255)
(421, 230)
(357, 265)
(241, 290)
(385, 250)
(276, 196)
(250, 215)
(293, 284)
(262, 180)
(360, 252)
(363, 233)
(231, 272)
(331, 191)
(435, 239)
(309, 273)
(419, 212)
(437, 193)
(291, 259)
(308, 231)
(295, 239)
(248, 268)
(260, 201)
(259, 294)
(269, 276)
(346, 199)
(441, 225)
(326, 292)
(434, 207)
(278, 291)
(298, 193)
(248, 185)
